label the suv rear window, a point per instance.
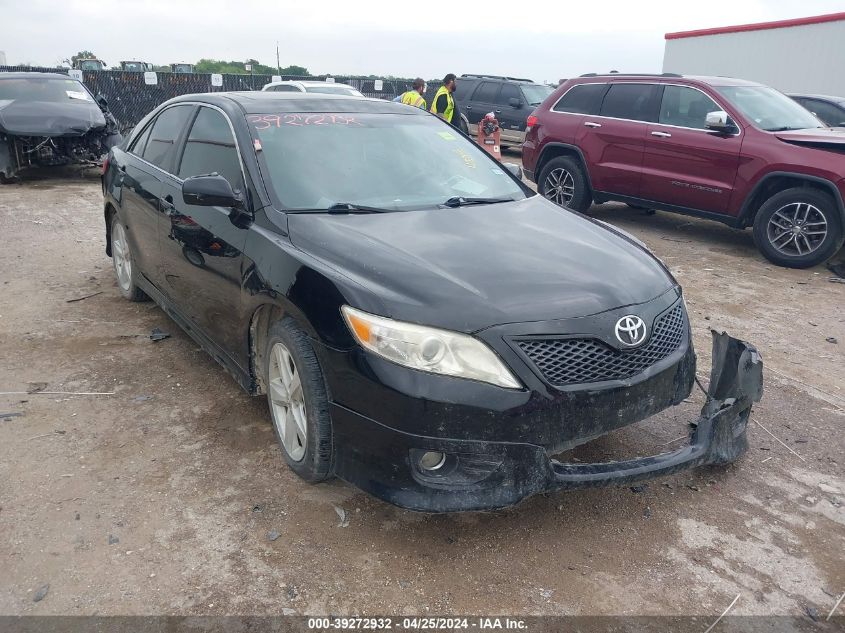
(629, 101)
(582, 99)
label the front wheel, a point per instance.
(798, 228)
(562, 180)
(298, 401)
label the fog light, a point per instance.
(432, 460)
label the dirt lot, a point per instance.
(160, 498)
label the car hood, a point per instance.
(470, 268)
(42, 118)
(833, 138)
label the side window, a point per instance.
(211, 148)
(629, 101)
(140, 143)
(827, 112)
(509, 91)
(161, 146)
(486, 92)
(685, 107)
(582, 99)
(284, 88)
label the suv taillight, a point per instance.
(532, 121)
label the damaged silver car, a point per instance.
(49, 119)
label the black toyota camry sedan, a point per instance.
(423, 325)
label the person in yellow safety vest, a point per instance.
(443, 104)
(415, 97)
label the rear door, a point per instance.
(686, 164)
(483, 100)
(201, 247)
(512, 112)
(614, 141)
(149, 157)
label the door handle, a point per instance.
(469, 107)
(592, 124)
(662, 134)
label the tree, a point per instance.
(299, 71)
(80, 55)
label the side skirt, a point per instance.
(723, 218)
(243, 378)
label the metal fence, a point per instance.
(130, 98)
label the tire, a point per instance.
(125, 270)
(303, 410)
(798, 228)
(562, 180)
(463, 125)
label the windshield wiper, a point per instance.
(350, 207)
(460, 201)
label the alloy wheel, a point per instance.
(797, 229)
(559, 186)
(287, 402)
(120, 256)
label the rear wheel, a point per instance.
(123, 262)
(562, 180)
(298, 401)
(798, 228)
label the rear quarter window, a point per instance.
(582, 99)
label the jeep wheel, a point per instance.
(798, 228)
(562, 181)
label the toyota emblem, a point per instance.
(630, 330)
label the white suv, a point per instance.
(321, 87)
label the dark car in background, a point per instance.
(49, 119)
(510, 99)
(831, 110)
(423, 324)
(724, 149)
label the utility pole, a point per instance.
(278, 64)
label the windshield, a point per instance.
(535, 95)
(391, 161)
(52, 89)
(769, 109)
(334, 90)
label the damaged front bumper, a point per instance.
(481, 475)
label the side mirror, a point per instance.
(718, 121)
(514, 169)
(212, 190)
(515, 103)
(101, 101)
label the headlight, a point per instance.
(428, 349)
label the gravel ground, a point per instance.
(170, 496)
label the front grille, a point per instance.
(583, 360)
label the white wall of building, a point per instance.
(804, 59)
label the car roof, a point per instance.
(666, 78)
(309, 83)
(259, 102)
(24, 75)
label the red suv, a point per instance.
(724, 149)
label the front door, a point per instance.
(201, 247)
(685, 164)
(512, 112)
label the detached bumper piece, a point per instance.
(736, 382)
(444, 475)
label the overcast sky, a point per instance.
(539, 40)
